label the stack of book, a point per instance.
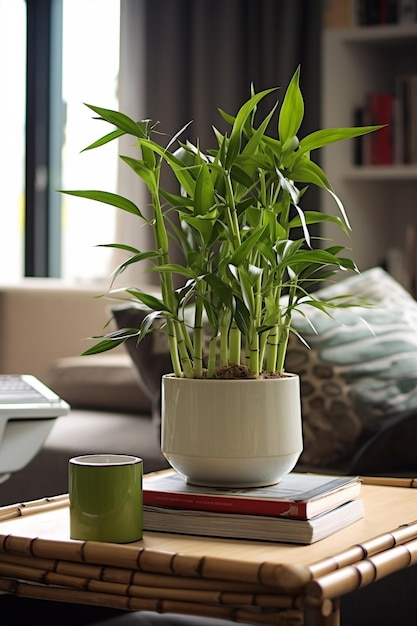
(302, 508)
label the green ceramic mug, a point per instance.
(105, 492)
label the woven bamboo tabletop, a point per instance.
(247, 581)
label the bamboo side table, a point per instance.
(246, 581)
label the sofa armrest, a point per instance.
(42, 320)
(103, 382)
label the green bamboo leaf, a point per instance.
(243, 176)
(287, 249)
(325, 137)
(102, 346)
(303, 224)
(176, 269)
(247, 292)
(255, 140)
(306, 171)
(267, 252)
(148, 157)
(204, 197)
(247, 246)
(108, 198)
(177, 201)
(119, 246)
(239, 123)
(142, 170)
(150, 301)
(242, 316)
(221, 289)
(322, 257)
(288, 186)
(115, 134)
(112, 340)
(182, 173)
(318, 217)
(292, 110)
(137, 258)
(204, 227)
(122, 121)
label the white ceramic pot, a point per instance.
(231, 433)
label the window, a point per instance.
(73, 57)
(90, 66)
(12, 115)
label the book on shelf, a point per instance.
(297, 496)
(350, 13)
(396, 141)
(252, 527)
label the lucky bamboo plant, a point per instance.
(249, 257)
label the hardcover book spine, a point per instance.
(224, 504)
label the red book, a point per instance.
(297, 496)
(381, 111)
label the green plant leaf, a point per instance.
(204, 198)
(325, 137)
(239, 123)
(150, 301)
(115, 134)
(176, 268)
(108, 198)
(142, 170)
(112, 340)
(247, 246)
(221, 289)
(203, 226)
(121, 121)
(242, 316)
(182, 173)
(292, 110)
(119, 246)
(318, 217)
(306, 171)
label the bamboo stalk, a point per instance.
(389, 481)
(216, 595)
(135, 557)
(132, 577)
(33, 507)
(385, 542)
(354, 576)
(238, 614)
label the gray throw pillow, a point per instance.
(151, 358)
(361, 365)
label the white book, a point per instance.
(252, 527)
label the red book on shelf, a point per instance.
(297, 496)
(381, 111)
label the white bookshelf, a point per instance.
(380, 201)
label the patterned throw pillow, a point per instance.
(361, 365)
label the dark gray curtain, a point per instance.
(181, 60)
(204, 54)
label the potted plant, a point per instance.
(249, 263)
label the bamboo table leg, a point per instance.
(329, 615)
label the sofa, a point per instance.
(359, 388)
(45, 325)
